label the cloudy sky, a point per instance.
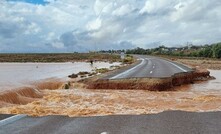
(84, 25)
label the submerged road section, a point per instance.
(152, 67)
(170, 122)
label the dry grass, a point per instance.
(59, 57)
(208, 64)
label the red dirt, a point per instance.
(152, 84)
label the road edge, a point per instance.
(11, 119)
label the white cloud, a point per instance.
(50, 36)
(193, 10)
(123, 10)
(32, 28)
(155, 6)
(94, 25)
(76, 25)
(57, 44)
(102, 6)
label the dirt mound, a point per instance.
(132, 83)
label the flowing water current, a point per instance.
(198, 97)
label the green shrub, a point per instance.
(102, 70)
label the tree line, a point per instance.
(207, 51)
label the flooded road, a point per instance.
(19, 74)
(211, 85)
(201, 86)
(200, 97)
(83, 102)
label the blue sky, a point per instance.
(41, 2)
(84, 25)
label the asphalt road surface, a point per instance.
(170, 122)
(149, 66)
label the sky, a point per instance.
(39, 26)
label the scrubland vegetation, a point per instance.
(128, 59)
(57, 57)
(204, 51)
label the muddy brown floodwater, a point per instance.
(199, 97)
(209, 85)
(21, 74)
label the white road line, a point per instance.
(104, 133)
(153, 66)
(177, 66)
(11, 119)
(151, 72)
(127, 71)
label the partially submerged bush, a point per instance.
(91, 74)
(102, 70)
(73, 76)
(83, 76)
(83, 73)
(115, 67)
(66, 86)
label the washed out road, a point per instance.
(149, 66)
(170, 122)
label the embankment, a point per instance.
(152, 84)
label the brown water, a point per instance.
(84, 102)
(210, 85)
(19, 74)
(200, 97)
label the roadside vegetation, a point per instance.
(204, 51)
(128, 59)
(58, 57)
